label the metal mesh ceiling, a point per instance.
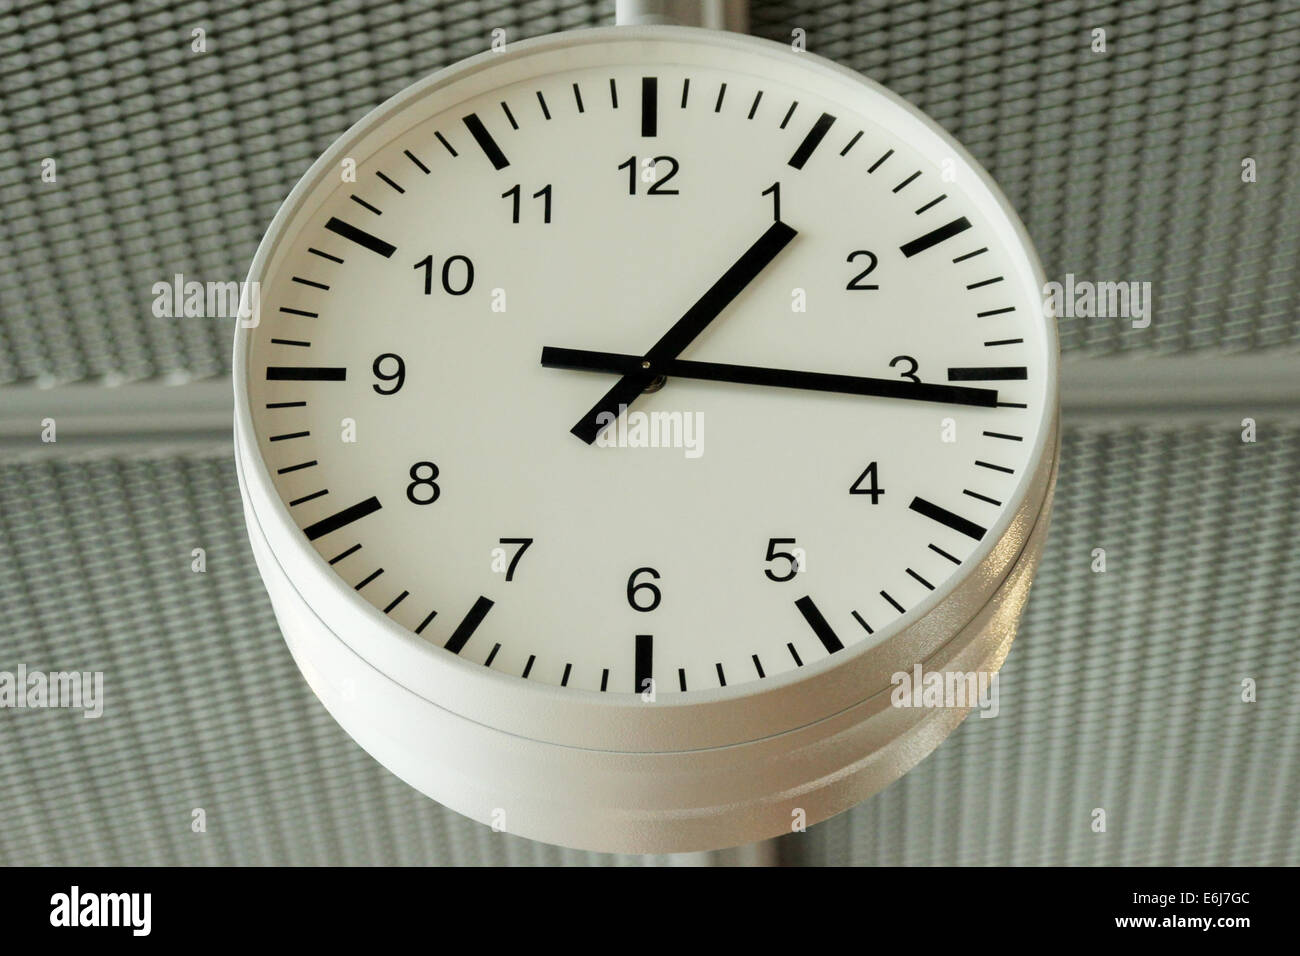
(1125, 165)
(1123, 690)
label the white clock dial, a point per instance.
(624, 410)
(788, 231)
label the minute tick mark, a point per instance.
(390, 182)
(880, 162)
(450, 148)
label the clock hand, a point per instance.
(619, 364)
(710, 305)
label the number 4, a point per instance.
(874, 489)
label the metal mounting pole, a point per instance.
(715, 14)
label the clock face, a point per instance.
(810, 329)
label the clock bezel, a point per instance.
(622, 720)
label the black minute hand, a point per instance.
(619, 364)
(646, 368)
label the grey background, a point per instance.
(1123, 689)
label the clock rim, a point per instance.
(575, 716)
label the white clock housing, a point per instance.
(571, 696)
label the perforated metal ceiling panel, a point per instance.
(1126, 164)
(1122, 692)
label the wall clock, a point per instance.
(624, 410)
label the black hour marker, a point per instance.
(818, 623)
(944, 516)
(934, 237)
(305, 373)
(649, 106)
(465, 629)
(991, 373)
(341, 518)
(361, 237)
(485, 141)
(644, 662)
(812, 140)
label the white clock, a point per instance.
(625, 409)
